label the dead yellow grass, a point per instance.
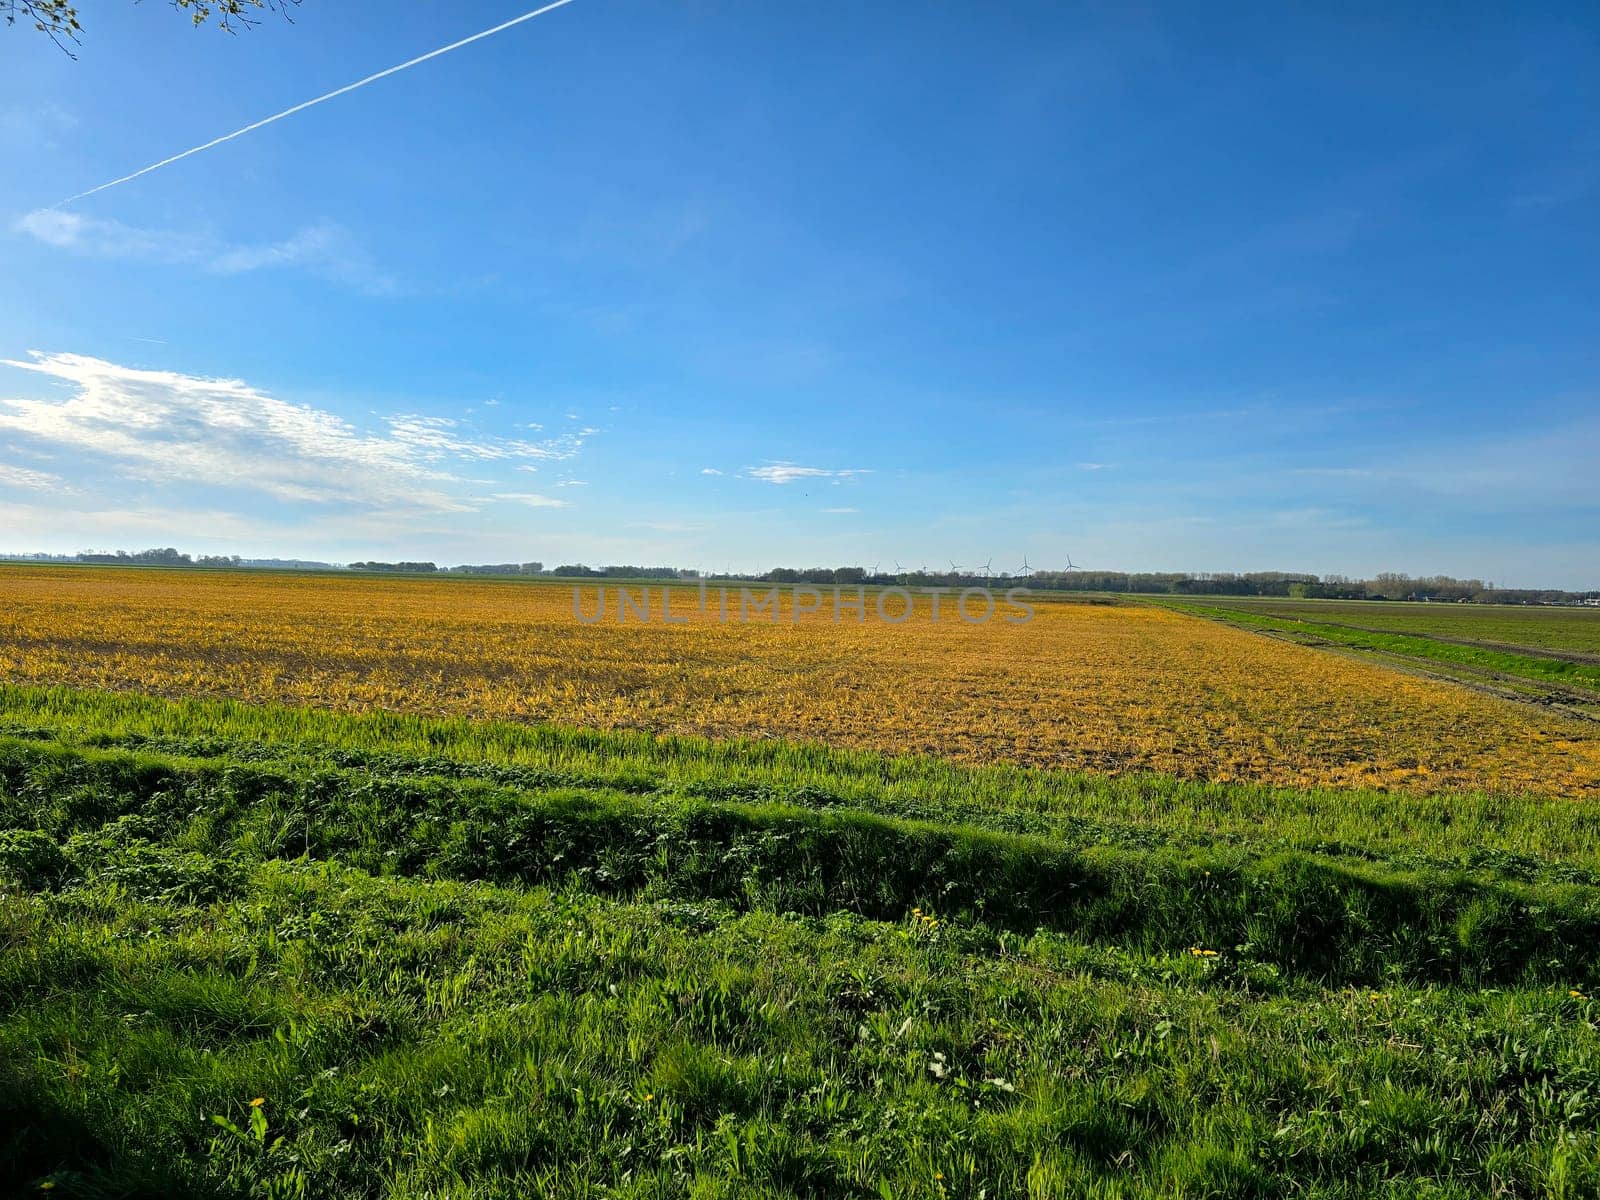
(1108, 688)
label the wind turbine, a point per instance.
(954, 570)
(1071, 566)
(986, 563)
(1025, 569)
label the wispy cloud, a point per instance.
(531, 499)
(841, 510)
(22, 477)
(709, 471)
(435, 438)
(667, 526)
(169, 428)
(788, 472)
(323, 249)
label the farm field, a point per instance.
(1102, 687)
(1546, 654)
(1574, 630)
(403, 888)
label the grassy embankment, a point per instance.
(1454, 655)
(463, 959)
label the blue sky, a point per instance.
(1159, 287)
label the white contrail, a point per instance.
(349, 87)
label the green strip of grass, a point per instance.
(1512, 833)
(156, 823)
(1057, 824)
(1545, 670)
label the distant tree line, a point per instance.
(167, 557)
(528, 568)
(1387, 585)
(1285, 584)
(154, 558)
(818, 575)
(621, 571)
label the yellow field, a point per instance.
(1109, 688)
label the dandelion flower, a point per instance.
(1578, 994)
(258, 1102)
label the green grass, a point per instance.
(1534, 628)
(463, 960)
(1523, 833)
(1567, 628)
(1478, 658)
